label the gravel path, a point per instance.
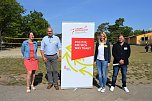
(14, 53)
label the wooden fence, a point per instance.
(9, 42)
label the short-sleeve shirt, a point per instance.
(50, 45)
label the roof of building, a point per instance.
(138, 35)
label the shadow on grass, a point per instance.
(59, 77)
(95, 83)
(38, 79)
(143, 52)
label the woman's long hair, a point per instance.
(105, 38)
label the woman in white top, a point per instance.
(102, 59)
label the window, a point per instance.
(144, 38)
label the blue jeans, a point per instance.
(102, 71)
(123, 72)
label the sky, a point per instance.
(137, 13)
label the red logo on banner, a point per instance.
(80, 30)
(82, 47)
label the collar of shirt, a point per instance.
(50, 36)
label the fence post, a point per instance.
(0, 41)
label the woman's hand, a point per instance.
(94, 63)
(108, 64)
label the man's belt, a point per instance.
(52, 55)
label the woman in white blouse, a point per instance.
(102, 59)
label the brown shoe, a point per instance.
(49, 86)
(56, 87)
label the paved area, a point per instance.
(18, 93)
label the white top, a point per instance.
(100, 55)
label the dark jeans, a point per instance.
(52, 69)
(123, 72)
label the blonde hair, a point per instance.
(105, 39)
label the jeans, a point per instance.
(102, 71)
(123, 72)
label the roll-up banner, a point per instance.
(77, 55)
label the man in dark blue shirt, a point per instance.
(121, 53)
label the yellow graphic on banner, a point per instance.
(67, 56)
(83, 70)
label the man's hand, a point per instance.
(121, 62)
(59, 58)
(44, 59)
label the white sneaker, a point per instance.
(33, 87)
(126, 89)
(112, 88)
(99, 89)
(103, 90)
(28, 90)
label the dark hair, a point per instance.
(120, 35)
(30, 32)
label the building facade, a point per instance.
(141, 39)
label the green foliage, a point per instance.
(113, 31)
(34, 22)
(127, 31)
(119, 22)
(103, 27)
(137, 32)
(13, 24)
(10, 16)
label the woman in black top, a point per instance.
(102, 59)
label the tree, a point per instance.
(119, 28)
(10, 13)
(103, 27)
(119, 22)
(34, 22)
(137, 32)
(127, 31)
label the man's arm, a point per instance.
(60, 50)
(129, 51)
(42, 54)
(60, 56)
(42, 51)
(60, 53)
(114, 53)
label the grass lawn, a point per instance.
(12, 71)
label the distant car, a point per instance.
(39, 43)
(2, 43)
(1, 40)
